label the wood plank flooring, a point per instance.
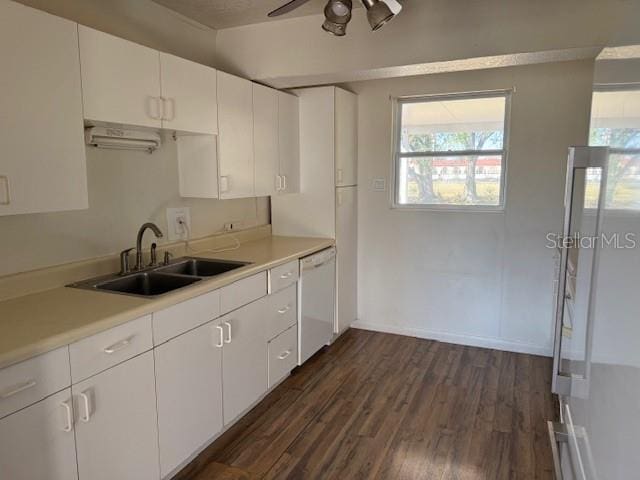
(383, 406)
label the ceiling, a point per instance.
(221, 14)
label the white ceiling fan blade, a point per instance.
(393, 5)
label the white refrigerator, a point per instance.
(327, 203)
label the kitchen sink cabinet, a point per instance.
(117, 425)
(189, 389)
(43, 166)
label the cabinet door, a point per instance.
(42, 167)
(235, 136)
(347, 258)
(116, 427)
(189, 95)
(37, 443)
(265, 139)
(189, 386)
(289, 141)
(346, 134)
(244, 358)
(120, 80)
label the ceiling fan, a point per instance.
(337, 13)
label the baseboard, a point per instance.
(448, 337)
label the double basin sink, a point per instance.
(155, 281)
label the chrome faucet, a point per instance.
(154, 228)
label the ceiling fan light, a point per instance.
(378, 13)
(337, 15)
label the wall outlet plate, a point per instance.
(176, 219)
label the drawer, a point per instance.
(283, 276)
(283, 355)
(177, 319)
(104, 350)
(30, 381)
(282, 311)
(242, 292)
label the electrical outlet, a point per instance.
(232, 226)
(179, 223)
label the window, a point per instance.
(615, 123)
(450, 151)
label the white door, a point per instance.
(189, 95)
(116, 426)
(289, 142)
(189, 387)
(244, 358)
(120, 80)
(346, 135)
(265, 140)
(235, 136)
(347, 258)
(42, 166)
(37, 443)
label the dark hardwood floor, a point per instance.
(384, 406)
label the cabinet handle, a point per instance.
(284, 355)
(68, 426)
(7, 190)
(172, 103)
(278, 183)
(220, 337)
(224, 183)
(16, 389)
(284, 182)
(339, 175)
(156, 114)
(284, 276)
(87, 408)
(116, 347)
(284, 310)
(228, 339)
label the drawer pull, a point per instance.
(284, 276)
(87, 409)
(116, 347)
(221, 336)
(284, 355)
(69, 417)
(16, 389)
(284, 310)
(228, 339)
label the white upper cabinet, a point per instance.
(265, 140)
(120, 80)
(42, 166)
(188, 95)
(289, 142)
(235, 140)
(346, 137)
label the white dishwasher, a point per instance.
(317, 309)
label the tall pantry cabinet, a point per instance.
(327, 203)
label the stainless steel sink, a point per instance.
(160, 279)
(146, 284)
(200, 267)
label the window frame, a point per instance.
(397, 155)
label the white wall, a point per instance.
(126, 189)
(297, 52)
(476, 278)
(141, 21)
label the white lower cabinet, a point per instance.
(116, 422)
(189, 388)
(244, 365)
(37, 443)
